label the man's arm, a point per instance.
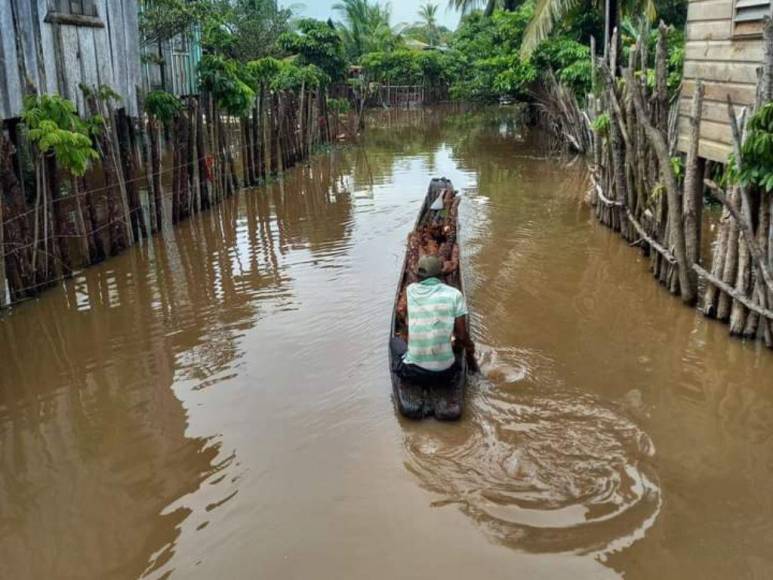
(460, 332)
(463, 339)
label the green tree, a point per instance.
(486, 62)
(246, 29)
(317, 43)
(162, 20)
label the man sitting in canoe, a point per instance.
(436, 312)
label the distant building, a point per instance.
(414, 44)
(54, 46)
(723, 49)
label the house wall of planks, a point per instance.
(172, 65)
(724, 51)
(42, 50)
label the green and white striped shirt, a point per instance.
(432, 309)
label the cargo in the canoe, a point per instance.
(434, 233)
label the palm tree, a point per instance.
(365, 27)
(428, 15)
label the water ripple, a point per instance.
(543, 474)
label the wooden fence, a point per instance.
(148, 176)
(654, 198)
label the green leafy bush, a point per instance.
(757, 152)
(675, 60)
(263, 70)
(225, 80)
(291, 77)
(601, 124)
(338, 106)
(53, 124)
(569, 60)
(397, 67)
(162, 105)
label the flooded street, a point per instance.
(218, 404)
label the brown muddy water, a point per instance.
(217, 405)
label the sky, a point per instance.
(403, 11)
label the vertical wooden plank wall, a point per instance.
(10, 81)
(133, 69)
(726, 62)
(58, 58)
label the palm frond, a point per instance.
(464, 6)
(546, 14)
(650, 10)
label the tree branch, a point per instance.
(732, 292)
(667, 256)
(746, 231)
(660, 249)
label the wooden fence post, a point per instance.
(194, 201)
(203, 160)
(693, 184)
(155, 174)
(3, 284)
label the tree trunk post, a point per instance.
(155, 168)
(245, 148)
(83, 235)
(194, 154)
(303, 148)
(658, 142)
(693, 184)
(717, 265)
(265, 102)
(203, 157)
(115, 158)
(661, 79)
(3, 283)
(128, 166)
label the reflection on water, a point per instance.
(94, 447)
(217, 403)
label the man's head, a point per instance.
(429, 267)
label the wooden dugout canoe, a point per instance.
(443, 399)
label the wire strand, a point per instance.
(60, 279)
(143, 177)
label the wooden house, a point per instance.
(723, 49)
(54, 46)
(172, 65)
